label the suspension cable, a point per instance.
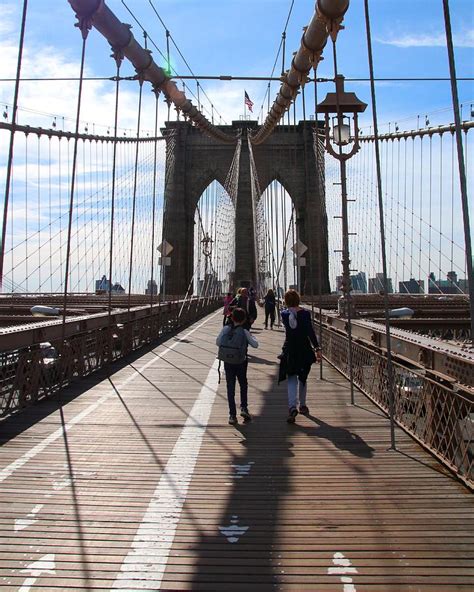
(318, 156)
(153, 214)
(390, 375)
(461, 165)
(84, 31)
(134, 198)
(12, 141)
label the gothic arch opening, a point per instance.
(277, 233)
(214, 241)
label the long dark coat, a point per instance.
(297, 354)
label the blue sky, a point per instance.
(229, 37)
(241, 38)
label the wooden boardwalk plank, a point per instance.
(268, 506)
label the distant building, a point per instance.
(411, 286)
(452, 277)
(376, 284)
(102, 285)
(451, 285)
(358, 283)
(152, 288)
(118, 289)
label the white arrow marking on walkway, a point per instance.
(22, 523)
(155, 536)
(242, 470)
(343, 567)
(45, 565)
(233, 532)
(20, 462)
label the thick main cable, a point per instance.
(96, 13)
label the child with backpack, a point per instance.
(233, 342)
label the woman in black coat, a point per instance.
(298, 355)
(270, 305)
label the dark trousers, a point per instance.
(269, 312)
(235, 372)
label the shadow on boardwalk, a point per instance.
(243, 553)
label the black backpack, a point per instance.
(233, 347)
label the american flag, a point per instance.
(248, 102)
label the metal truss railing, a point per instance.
(42, 368)
(438, 416)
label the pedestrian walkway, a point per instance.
(137, 483)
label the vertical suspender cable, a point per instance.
(216, 250)
(305, 155)
(320, 197)
(283, 39)
(12, 141)
(452, 202)
(461, 165)
(112, 202)
(397, 246)
(73, 182)
(153, 214)
(26, 212)
(441, 180)
(422, 170)
(382, 229)
(392, 209)
(412, 223)
(168, 65)
(134, 199)
(405, 150)
(430, 192)
(50, 218)
(38, 205)
(295, 257)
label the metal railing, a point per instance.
(438, 414)
(38, 363)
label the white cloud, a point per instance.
(6, 22)
(465, 39)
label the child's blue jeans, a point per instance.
(235, 372)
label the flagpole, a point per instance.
(245, 108)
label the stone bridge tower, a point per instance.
(194, 160)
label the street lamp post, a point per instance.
(344, 105)
(207, 243)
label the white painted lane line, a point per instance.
(145, 564)
(343, 567)
(20, 462)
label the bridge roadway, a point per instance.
(138, 483)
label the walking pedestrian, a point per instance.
(243, 301)
(233, 342)
(226, 312)
(270, 304)
(297, 354)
